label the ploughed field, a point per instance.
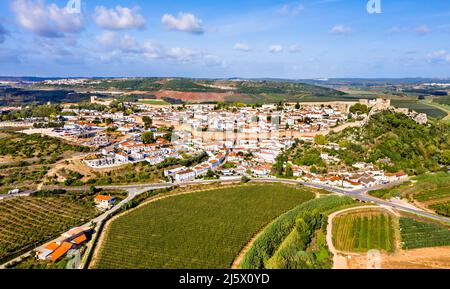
(363, 231)
(199, 230)
(30, 221)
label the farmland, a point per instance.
(420, 107)
(22, 146)
(417, 234)
(429, 190)
(29, 221)
(295, 240)
(154, 102)
(363, 231)
(199, 230)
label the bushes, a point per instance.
(264, 247)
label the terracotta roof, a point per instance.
(52, 246)
(61, 251)
(79, 240)
(103, 198)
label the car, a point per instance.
(14, 192)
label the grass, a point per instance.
(363, 231)
(29, 221)
(199, 230)
(417, 234)
(420, 107)
(153, 102)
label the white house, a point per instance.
(184, 176)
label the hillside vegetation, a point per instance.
(396, 142)
(252, 91)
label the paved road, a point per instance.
(135, 190)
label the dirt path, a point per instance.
(339, 261)
(238, 260)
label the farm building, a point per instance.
(104, 202)
(59, 248)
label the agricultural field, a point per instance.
(364, 230)
(22, 146)
(420, 107)
(199, 230)
(431, 191)
(296, 239)
(30, 221)
(153, 102)
(417, 234)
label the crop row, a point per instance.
(416, 234)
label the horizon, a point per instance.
(307, 39)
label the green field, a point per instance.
(199, 230)
(153, 102)
(416, 234)
(420, 107)
(30, 221)
(363, 231)
(431, 190)
(296, 239)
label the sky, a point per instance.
(223, 39)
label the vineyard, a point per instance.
(287, 242)
(363, 231)
(416, 234)
(430, 190)
(200, 230)
(32, 220)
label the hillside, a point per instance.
(396, 142)
(198, 90)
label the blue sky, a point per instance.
(214, 39)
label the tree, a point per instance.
(359, 108)
(445, 157)
(148, 137)
(147, 122)
(320, 139)
(108, 121)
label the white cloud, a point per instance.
(125, 43)
(187, 55)
(439, 56)
(119, 18)
(118, 47)
(295, 48)
(46, 20)
(275, 48)
(242, 47)
(186, 22)
(152, 50)
(341, 29)
(422, 30)
(292, 10)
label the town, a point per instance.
(232, 140)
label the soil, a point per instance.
(424, 258)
